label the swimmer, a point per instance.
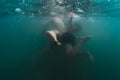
(64, 35)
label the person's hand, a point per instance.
(71, 14)
(86, 38)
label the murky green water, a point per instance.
(22, 44)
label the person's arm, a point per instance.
(70, 22)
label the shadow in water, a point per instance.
(54, 64)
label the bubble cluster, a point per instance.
(53, 7)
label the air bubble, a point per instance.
(18, 10)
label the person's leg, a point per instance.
(76, 50)
(53, 35)
(72, 51)
(69, 49)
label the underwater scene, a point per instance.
(42, 39)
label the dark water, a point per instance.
(22, 44)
